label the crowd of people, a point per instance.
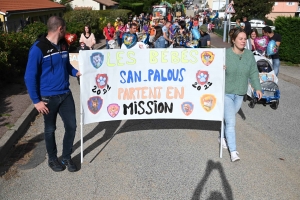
(159, 32)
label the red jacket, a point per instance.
(109, 32)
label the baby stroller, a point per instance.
(112, 44)
(268, 81)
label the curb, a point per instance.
(11, 136)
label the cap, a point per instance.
(203, 28)
(242, 24)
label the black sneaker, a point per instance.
(56, 166)
(70, 165)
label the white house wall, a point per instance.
(85, 3)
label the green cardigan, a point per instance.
(239, 70)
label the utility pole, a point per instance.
(225, 22)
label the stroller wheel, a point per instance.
(274, 105)
(251, 104)
(245, 98)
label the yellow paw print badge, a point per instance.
(208, 102)
(207, 57)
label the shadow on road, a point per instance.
(110, 128)
(138, 125)
(21, 155)
(242, 114)
(214, 195)
(156, 124)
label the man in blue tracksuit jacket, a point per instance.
(47, 81)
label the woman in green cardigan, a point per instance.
(240, 67)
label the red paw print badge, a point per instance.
(101, 80)
(202, 77)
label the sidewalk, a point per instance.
(217, 41)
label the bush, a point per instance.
(97, 19)
(288, 28)
(269, 22)
(34, 30)
(14, 49)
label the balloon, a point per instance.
(70, 38)
(261, 43)
(129, 40)
(138, 45)
(144, 38)
(196, 33)
(272, 48)
(192, 44)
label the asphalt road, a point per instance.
(168, 159)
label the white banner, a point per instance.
(120, 84)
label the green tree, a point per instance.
(257, 9)
(65, 3)
(132, 4)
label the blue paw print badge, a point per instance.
(202, 77)
(95, 104)
(97, 59)
(101, 80)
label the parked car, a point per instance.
(257, 23)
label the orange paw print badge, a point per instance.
(207, 57)
(208, 102)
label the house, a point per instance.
(216, 4)
(93, 4)
(284, 8)
(16, 13)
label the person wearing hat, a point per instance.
(205, 37)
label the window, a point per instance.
(290, 3)
(276, 3)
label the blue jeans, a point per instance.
(107, 46)
(232, 105)
(63, 105)
(276, 64)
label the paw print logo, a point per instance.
(202, 77)
(101, 80)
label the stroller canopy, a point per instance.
(264, 65)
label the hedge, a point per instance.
(14, 49)
(14, 46)
(288, 28)
(97, 19)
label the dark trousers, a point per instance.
(119, 42)
(64, 106)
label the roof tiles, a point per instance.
(20, 5)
